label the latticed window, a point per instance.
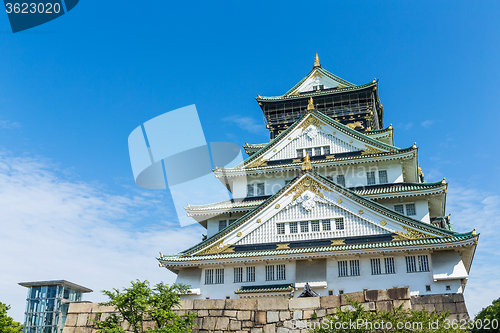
(354, 265)
(343, 268)
(300, 153)
(293, 227)
(423, 263)
(260, 189)
(238, 274)
(400, 209)
(375, 265)
(389, 266)
(309, 151)
(222, 224)
(326, 225)
(251, 274)
(270, 273)
(280, 228)
(411, 265)
(209, 276)
(280, 272)
(410, 210)
(219, 275)
(370, 178)
(304, 226)
(382, 176)
(250, 190)
(314, 225)
(317, 151)
(339, 223)
(341, 180)
(326, 150)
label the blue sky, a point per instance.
(73, 89)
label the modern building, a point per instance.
(47, 304)
(332, 206)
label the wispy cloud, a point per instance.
(408, 126)
(247, 124)
(7, 124)
(55, 228)
(474, 208)
(427, 123)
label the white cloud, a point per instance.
(246, 123)
(473, 208)
(7, 124)
(53, 228)
(408, 126)
(427, 123)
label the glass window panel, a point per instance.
(375, 265)
(314, 225)
(389, 265)
(399, 208)
(238, 274)
(270, 273)
(317, 151)
(382, 176)
(326, 225)
(300, 153)
(342, 268)
(411, 264)
(280, 272)
(341, 180)
(354, 265)
(280, 228)
(219, 275)
(293, 227)
(326, 150)
(250, 190)
(410, 210)
(423, 263)
(370, 178)
(339, 223)
(52, 292)
(251, 274)
(222, 224)
(304, 226)
(209, 276)
(260, 189)
(36, 292)
(309, 151)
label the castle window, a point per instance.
(257, 189)
(400, 209)
(280, 272)
(339, 223)
(222, 224)
(280, 228)
(308, 151)
(304, 226)
(341, 180)
(209, 276)
(326, 150)
(326, 225)
(219, 276)
(251, 274)
(238, 274)
(330, 292)
(353, 268)
(389, 266)
(428, 288)
(250, 190)
(448, 287)
(412, 265)
(343, 268)
(370, 178)
(382, 176)
(317, 151)
(375, 265)
(260, 189)
(410, 210)
(354, 265)
(314, 225)
(300, 153)
(293, 227)
(270, 273)
(423, 263)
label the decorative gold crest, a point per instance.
(215, 248)
(257, 163)
(360, 212)
(277, 206)
(307, 184)
(239, 234)
(311, 121)
(339, 200)
(283, 246)
(411, 234)
(338, 242)
(370, 150)
(383, 222)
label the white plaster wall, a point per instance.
(421, 206)
(213, 223)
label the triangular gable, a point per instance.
(401, 226)
(316, 130)
(319, 76)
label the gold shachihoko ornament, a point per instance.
(306, 165)
(310, 105)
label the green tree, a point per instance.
(358, 319)
(140, 302)
(488, 319)
(7, 324)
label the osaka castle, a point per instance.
(332, 206)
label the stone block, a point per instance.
(71, 319)
(149, 325)
(303, 303)
(330, 301)
(202, 313)
(290, 324)
(68, 329)
(405, 303)
(261, 317)
(80, 307)
(347, 307)
(247, 323)
(198, 322)
(106, 309)
(209, 304)
(256, 330)
(82, 319)
(461, 308)
(241, 304)
(125, 325)
(435, 299)
(272, 304)
(430, 307)
(243, 315)
(307, 314)
(215, 313)
(417, 307)
(297, 315)
(375, 295)
(284, 315)
(187, 304)
(83, 330)
(230, 313)
(452, 307)
(457, 298)
(357, 296)
(331, 311)
(321, 313)
(398, 293)
(222, 323)
(384, 305)
(270, 328)
(417, 300)
(273, 316)
(209, 323)
(282, 330)
(438, 306)
(370, 306)
(235, 325)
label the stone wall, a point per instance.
(269, 315)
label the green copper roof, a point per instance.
(264, 288)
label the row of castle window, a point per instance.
(256, 189)
(414, 264)
(408, 209)
(225, 223)
(306, 226)
(316, 151)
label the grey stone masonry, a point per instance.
(274, 315)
